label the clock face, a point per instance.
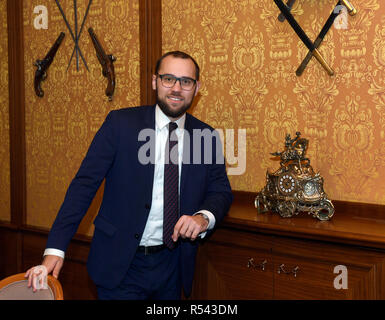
(286, 183)
(309, 188)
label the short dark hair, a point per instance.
(178, 54)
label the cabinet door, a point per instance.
(234, 265)
(305, 269)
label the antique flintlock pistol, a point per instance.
(106, 62)
(43, 65)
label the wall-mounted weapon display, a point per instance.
(75, 37)
(328, 24)
(43, 65)
(294, 187)
(313, 47)
(302, 35)
(106, 62)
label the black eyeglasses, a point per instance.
(169, 80)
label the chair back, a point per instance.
(15, 287)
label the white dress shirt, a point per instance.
(153, 231)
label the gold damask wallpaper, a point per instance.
(248, 60)
(5, 210)
(61, 125)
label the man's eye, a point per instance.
(169, 79)
(187, 81)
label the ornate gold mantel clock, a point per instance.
(294, 187)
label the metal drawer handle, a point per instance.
(281, 269)
(251, 264)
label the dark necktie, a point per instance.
(171, 186)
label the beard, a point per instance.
(168, 110)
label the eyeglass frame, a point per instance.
(177, 79)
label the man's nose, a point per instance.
(177, 86)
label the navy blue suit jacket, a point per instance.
(113, 156)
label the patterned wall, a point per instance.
(60, 126)
(248, 60)
(5, 210)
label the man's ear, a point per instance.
(153, 82)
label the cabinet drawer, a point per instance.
(235, 265)
(304, 269)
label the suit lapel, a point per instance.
(187, 154)
(148, 173)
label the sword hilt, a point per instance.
(322, 61)
(352, 11)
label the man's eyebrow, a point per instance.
(170, 74)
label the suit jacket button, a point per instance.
(136, 236)
(147, 206)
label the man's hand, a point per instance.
(52, 263)
(189, 227)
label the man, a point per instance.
(155, 203)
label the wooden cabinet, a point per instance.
(270, 257)
(242, 265)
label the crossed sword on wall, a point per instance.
(312, 46)
(76, 36)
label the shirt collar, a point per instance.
(161, 120)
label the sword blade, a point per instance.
(80, 32)
(65, 19)
(302, 35)
(76, 35)
(71, 33)
(294, 24)
(85, 17)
